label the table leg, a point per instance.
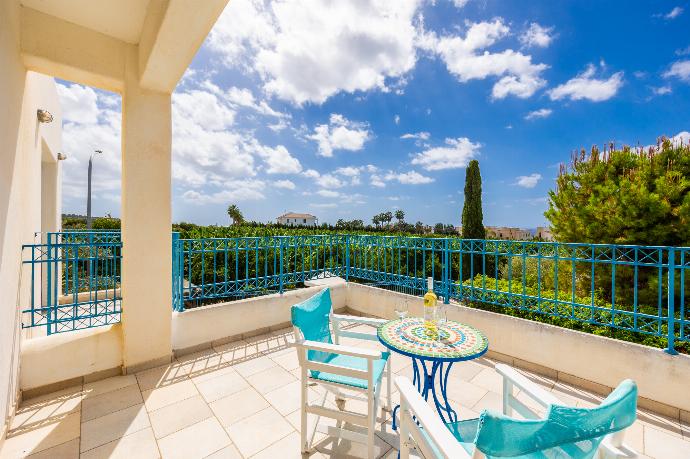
(425, 384)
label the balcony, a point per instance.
(232, 387)
(241, 399)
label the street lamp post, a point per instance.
(88, 198)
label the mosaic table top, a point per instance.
(457, 341)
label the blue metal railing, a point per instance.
(75, 280)
(638, 289)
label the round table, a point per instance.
(435, 357)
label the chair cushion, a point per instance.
(356, 363)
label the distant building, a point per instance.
(294, 219)
(544, 233)
(508, 232)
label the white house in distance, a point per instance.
(294, 219)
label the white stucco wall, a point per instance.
(202, 326)
(23, 141)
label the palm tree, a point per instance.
(388, 217)
(400, 215)
(235, 214)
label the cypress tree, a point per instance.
(472, 219)
(472, 216)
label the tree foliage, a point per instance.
(472, 216)
(235, 214)
(624, 196)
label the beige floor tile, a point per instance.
(490, 401)
(287, 399)
(270, 379)
(139, 445)
(463, 392)
(112, 426)
(47, 409)
(335, 447)
(162, 376)
(212, 372)
(67, 450)
(109, 384)
(42, 437)
(259, 431)
(634, 437)
(466, 370)
(234, 352)
(489, 379)
(108, 402)
(229, 452)
(288, 361)
(222, 386)
(177, 416)
(205, 365)
(255, 365)
(285, 448)
(238, 406)
(196, 441)
(155, 399)
(662, 445)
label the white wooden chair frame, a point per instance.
(369, 395)
(416, 414)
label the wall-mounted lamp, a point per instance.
(44, 116)
(62, 156)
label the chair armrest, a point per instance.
(532, 389)
(358, 319)
(339, 349)
(433, 426)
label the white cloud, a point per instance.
(674, 13)
(585, 86)
(408, 178)
(340, 134)
(348, 171)
(528, 181)
(468, 59)
(377, 181)
(328, 193)
(419, 136)
(683, 52)
(541, 113)
(283, 41)
(235, 190)
(91, 121)
(78, 103)
(680, 70)
(284, 184)
(278, 159)
(456, 154)
(661, 90)
(537, 35)
(397, 119)
(460, 3)
(328, 205)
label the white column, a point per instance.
(146, 223)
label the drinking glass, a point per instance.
(401, 309)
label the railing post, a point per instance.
(446, 270)
(280, 276)
(347, 258)
(176, 273)
(670, 348)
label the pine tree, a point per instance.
(472, 216)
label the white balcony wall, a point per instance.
(25, 145)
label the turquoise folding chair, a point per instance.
(565, 432)
(324, 361)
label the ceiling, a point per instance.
(121, 19)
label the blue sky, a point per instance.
(347, 109)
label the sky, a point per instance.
(347, 109)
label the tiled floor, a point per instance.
(241, 400)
